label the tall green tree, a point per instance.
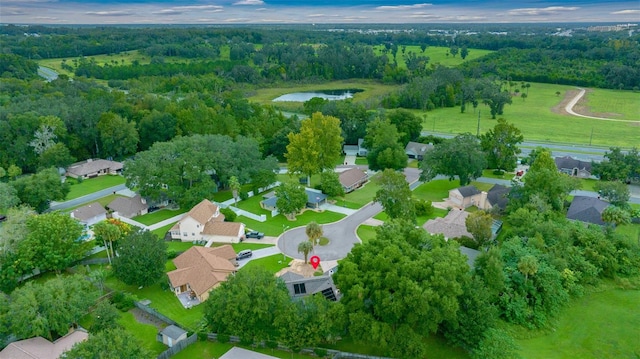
(108, 233)
(479, 225)
(617, 193)
(305, 247)
(395, 195)
(408, 125)
(235, 186)
(8, 197)
(118, 136)
(619, 166)
(38, 190)
(459, 157)
(330, 184)
(141, 259)
(313, 231)
(109, 344)
(316, 147)
(385, 150)
(616, 216)
(501, 145)
(546, 183)
(292, 198)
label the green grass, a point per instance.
(92, 185)
(361, 196)
(104, 201)
(272, 263)
(145, 333)
(504, 176)
(366, 232)
(623, 105)
(598, 325)
(274, 225)
(157, 216)
(631, 231)
(435, 191)
(588, 184)
(361, 161)
(160, 232)
(535, 118)
(436, 54)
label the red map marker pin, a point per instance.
(315, 261)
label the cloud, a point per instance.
(110, 13)
(550, 10)
(403, 7)
(249, 2)
(626, 12)
(177, 10)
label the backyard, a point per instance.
(157, 216)
(91, 185)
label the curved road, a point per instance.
(574, 101)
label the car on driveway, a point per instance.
(247, 253)
(254, 234)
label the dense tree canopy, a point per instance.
(459, 157)
(395, 196)
(501, 145)
(141, 258)
(384, 149)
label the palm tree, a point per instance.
(305, 247)
(528, 265)
(314, 231)
(234, 184)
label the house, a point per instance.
(205, 222)
(93, 168)
(453, 225)
(128, 207)
(315, 199)
(464, 197)
(471, 255)
(90, 214)
(300, 286)
(417, 150)
(172, 335)
(362, 151)
(236, 352)
(40, 348)
(350, 150)
(573, 167)
(352, 179)
(587, 209)
(201, 269)
(498, 196)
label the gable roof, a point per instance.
(89, 166)
(468, 191)
(471, 255)
(417, 148)
(40, 348)
(567, 162)
(89, 211)
(202, 268)
(173, 332)
(314, 196)
(451, 226)
(587, 209)
(216, 228)
(126, 205)
(236, 352)
(313, 285)
(203, 211)
(498, 196)
(351, 176)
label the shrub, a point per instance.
(223, 338)
(229, 214)
(498, 172)
(202, 336)
(243, 195)
(320, 352)
(423, 208)
(467, 242)
(123, 301)
(172, 254)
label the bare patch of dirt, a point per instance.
(581, 106)
(146, 318)
(299, 267)
(568, 96)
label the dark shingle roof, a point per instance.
(587, 209)
(571, 163)
(89, 211)
(498, 196)
(419, 149)
(468, 191)
(173, 332)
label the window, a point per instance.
(185, 234)
(299, 288)
(193, 234)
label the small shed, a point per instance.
(171, 335)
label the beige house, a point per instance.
(40, 348)
(201, 269)
(353, 179)
(464, 197)
(93, 168)
(128, 207)
(90, 214)
(453, 225)
(205, 222)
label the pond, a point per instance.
(331, 95)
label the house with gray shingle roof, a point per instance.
(417, 150)
(129, 207)
(93, 168)
(90, 214)
(300, 286)
(172, 335)
(573, 167)
(352, 179)
(464, 197)
(587, 209)
(315, 199)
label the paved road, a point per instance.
(47, 73)
(85, 199)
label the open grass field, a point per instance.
(436, 54)
(157, 216)
(91, 185)
(366, 232)
(624, 105)
(435, 190)
(535, 118)
(598, 325)
(145, 333)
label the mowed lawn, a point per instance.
(535, 118)
(274, 225)
(145, 333)
(92, 185)
(157, 216)
(624, 105)
(273, 263)
(599, 325)
(436, 54)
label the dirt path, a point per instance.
(574, 100)
(146, 318)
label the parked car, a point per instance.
(254, 234)
(244, 254)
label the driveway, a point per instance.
(259, 253)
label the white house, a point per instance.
(205, 222)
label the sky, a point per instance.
(106, 12)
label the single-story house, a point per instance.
(453, 225)
(350, 150)
(464, 197)
(315, 199)
(587, 209)
(205, 222)
(201, 269)
(573, 167)
(300, 286)
(352, 179)
(41, 348)
(362, 151)
(93, 168)
(172, 335)
(129, 207)
(90, 214)
(417, 150)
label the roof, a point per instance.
(451, 226)
(314, 196)
(419, 149)
(127, 206)
(498, 196)
(471, 255)
(89, 211)
(89, 166)
(587, 209)
(203, 211)
(240, 353)
(173, 332)
(202, 268)
(40, 348)
(313, 285)
(270, 202)
(352, 176)
(570, 163)
(230, 229)
(468, 191)
(350, 148)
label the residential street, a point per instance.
(86, 199)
